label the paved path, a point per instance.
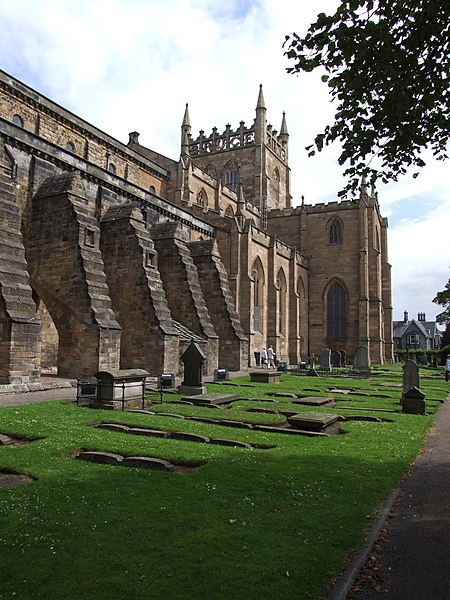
(66, 393)
(411, 560)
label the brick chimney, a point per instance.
(405, 316)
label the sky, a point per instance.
(132, 65)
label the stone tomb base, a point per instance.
(212, 399)
(312, 421)
(312, 401)
(192, 390)
(265, 376)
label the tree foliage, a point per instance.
(387, 64)
(443, 299)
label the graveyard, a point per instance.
(250, 489)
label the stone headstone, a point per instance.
(343, 358)
(193, 359)
(413, 402)
(325, 359)
(362, 361)
(312, 368)
(336, 359)
(410, 376)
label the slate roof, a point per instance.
(427, 328)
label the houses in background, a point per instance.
(416, 334)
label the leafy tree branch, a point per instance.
(387, 66)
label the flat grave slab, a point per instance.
(265, 376)
(312, 401)
(312, 421)
(213, 398)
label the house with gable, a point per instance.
(416, 334)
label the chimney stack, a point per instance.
(405, 316)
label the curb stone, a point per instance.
(348, 578)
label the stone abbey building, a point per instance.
(115, 256)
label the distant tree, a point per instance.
(446, 336)
(387, 64)
(443, 299)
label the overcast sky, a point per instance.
(131, 65)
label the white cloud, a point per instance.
(127, 65)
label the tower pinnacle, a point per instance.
(260, 103)
(185, 132)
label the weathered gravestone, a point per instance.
(312, 368)
(325, 359)
(336, 359)
(413, 402)
(362, 360)
(411, 377)
(193, 359)
(343, 358)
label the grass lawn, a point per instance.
(276, 521)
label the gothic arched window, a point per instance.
(17, 120)
(282, 304)
(276, 185)
(151, 189)
(211, 170)
(258, 294)
(70, 147)
(229, 211)
(336, 311)
(231, 177)
(335, 236)
(202, 198)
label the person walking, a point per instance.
(263, 358)
(447, 367)
(271, 357)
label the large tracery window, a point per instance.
(336, 311)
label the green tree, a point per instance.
(387, 64)
(443, 299)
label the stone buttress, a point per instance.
(183, 291)
(149, 339)
(67, 272)
(233, 344)
(20, 326)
